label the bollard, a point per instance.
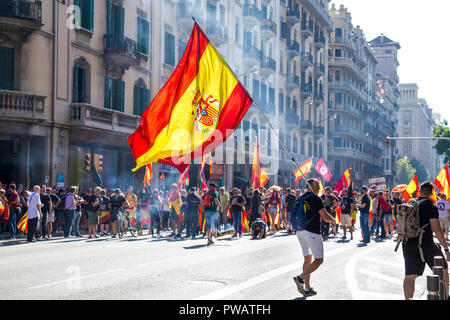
(438, 261)
(433, 287)
(439, 271)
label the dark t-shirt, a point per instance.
(54, 199)
(346, 205)
(289, 201)
(45, 199)
(91, 200)
(365, 199)
(315, 205)
(235, 207)
(104, 205)
(212, 195)
(427, 211)
(328, 202)
(193, 203)
(396, 201)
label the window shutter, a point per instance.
(78, 18)
(121, 95)
(146, 99)
(91, 15)
(75, 84)
(109, 17)
(121, 21)
(108, 97)
(82, 85)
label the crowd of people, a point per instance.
(208, 213)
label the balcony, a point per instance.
(351, 132)
(306, 89)
(306, 60)
(268, 67)
(252, 15)
(217, 33)
(292, 119)
(307, 28)
(320, 12)
(86, 116)
(268, 29)
(342, 152)
(15, 105)
(120, 50)
(293, 15)
(347, 63)
(252, 56)
(319, 40)
(319, 97)
(350, 110)
(293, 49)
(292, 82)
(21, 15)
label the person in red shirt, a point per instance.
(382, 207)
(14, 204)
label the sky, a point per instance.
(421, 27)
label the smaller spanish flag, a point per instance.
(23, 223)
(306, 169)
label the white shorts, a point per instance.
(311, 243)
(346, 220)
(444, 223)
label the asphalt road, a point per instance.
(235, 269)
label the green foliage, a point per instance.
(443, 146)
(405, 171)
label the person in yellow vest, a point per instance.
(175, 214)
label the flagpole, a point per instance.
(260, 110)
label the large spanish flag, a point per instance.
(198, 108)
(306, 169)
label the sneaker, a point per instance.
(240, 235)
(234, 235)
(351, 237)
(344, 238)
(114, 236)
(310, 292)
(300, 284)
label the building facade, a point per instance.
(278, 50)
(416, 120)
(76, 80)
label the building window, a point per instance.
(169, 49)
(6, 68)
(338, 32)
(143, 36)
(81, 81)
(86, 20)
(338, 53)
(141, 97)
(114, 94)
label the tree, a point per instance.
(422, 173)
(443, 146)
(405, 170)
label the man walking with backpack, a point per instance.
(418, 245)
(305, 219)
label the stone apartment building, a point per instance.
(79, 73)
(278, 51)
(75, 77)
(416, 120)
(359, 117)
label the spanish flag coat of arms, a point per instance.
(198, 108)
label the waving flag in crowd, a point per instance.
(306, 169)
(443, 182)
(412, 187)
(344, 182)
(322, 169)
(148, 175)
(263, 177)
(184, 178)
(199, 107)
(256, 167)
(23, 223)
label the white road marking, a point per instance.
(350, 271)
(385, 263)
(381, 276)
(219, 294)
(77, 278)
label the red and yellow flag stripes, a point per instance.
(256, 167)
(306, 169)
(197, 109)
